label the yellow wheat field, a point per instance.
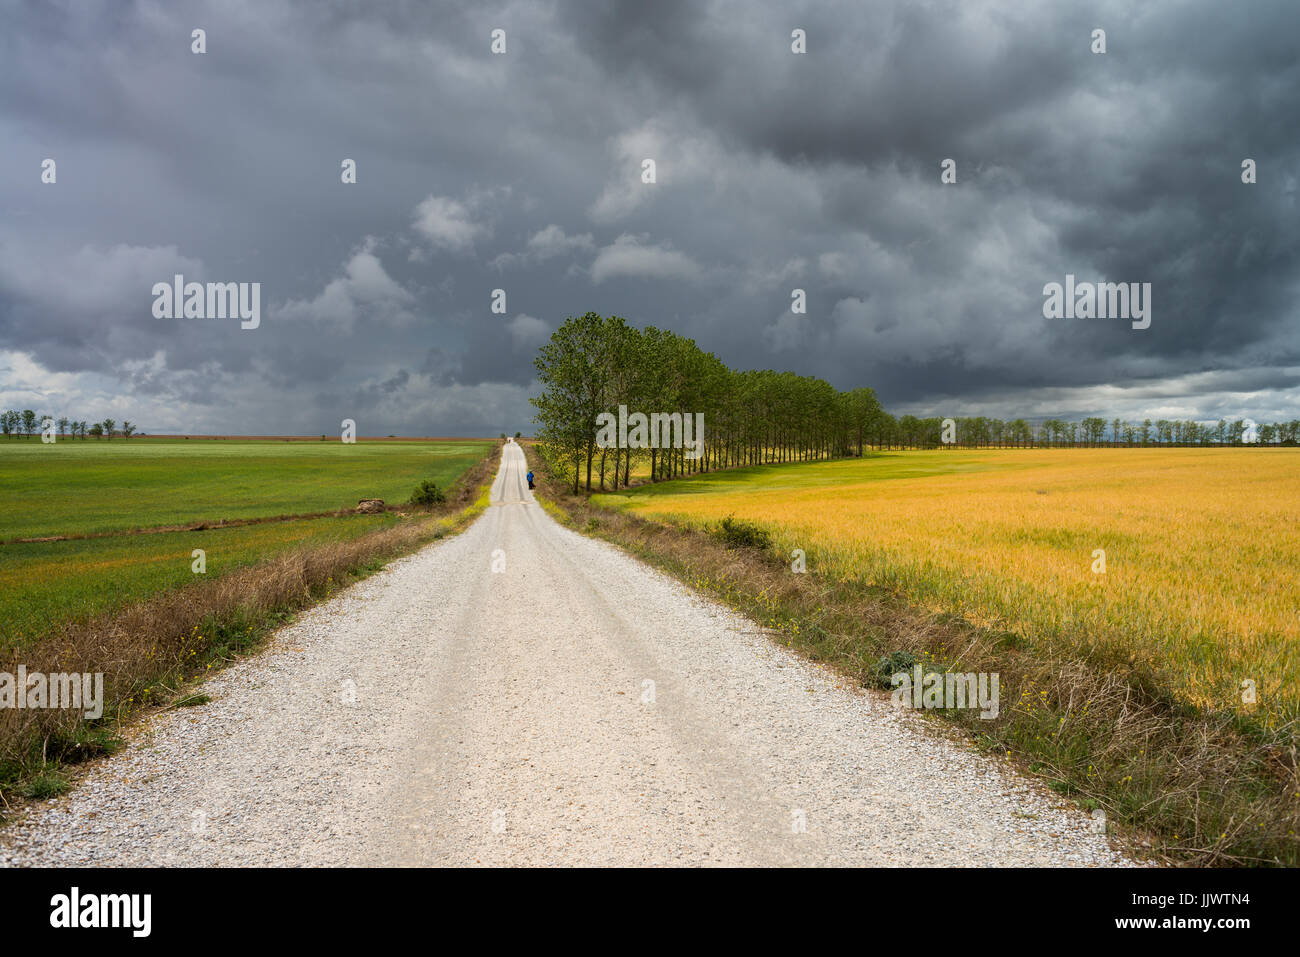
(1201, 548)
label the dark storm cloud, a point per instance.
(1132, 158)
(521, 172)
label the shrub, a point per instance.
(738, 534)
(428, 493)
(45, 784)
(903, 661)
(891, 664)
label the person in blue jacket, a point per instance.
(530, 480)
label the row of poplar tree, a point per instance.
(593, 364)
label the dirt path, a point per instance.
(520, 694)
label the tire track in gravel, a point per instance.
(503, 717)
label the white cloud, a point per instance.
(552, 241)
(144, 391)
(630, 256)
(448, 224)
(546, 244)
(679, 159)
(364, 290)
(527, 331)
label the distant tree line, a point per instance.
(28, 423)
(908, 431)
(594, 364)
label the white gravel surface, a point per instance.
(506, 717)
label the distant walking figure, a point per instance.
(530, 480)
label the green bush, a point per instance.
(738, 534)
(891, 664)
(428, 493)
(45, 784)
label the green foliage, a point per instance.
(891, 664)
(45, 784)
(594, 364)
(737, 534)
(902, 661)
(85, 740)
(428, 493)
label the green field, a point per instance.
(78, 487)
(87, 487)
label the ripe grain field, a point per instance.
(1202, 549)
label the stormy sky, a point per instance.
(523, 171)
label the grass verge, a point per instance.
(1187, 785)
(153, 652)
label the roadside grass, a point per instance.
(1188, 784)
(43, 584)
(154, 652)
(86, 487)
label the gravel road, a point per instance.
(520, 694)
